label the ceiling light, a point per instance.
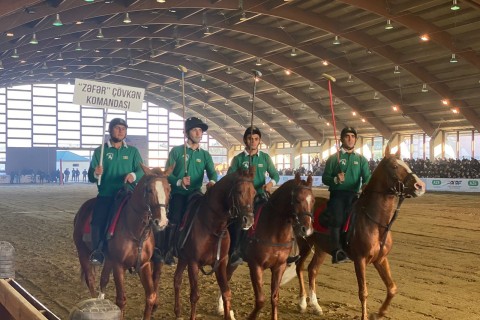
(336, 41)
(453, 59)
(396, 70)
(455, 110)
(34, 39)
(325, 62)
(226, 102)
(207, 31)
(60, 58)
(15, 54)
(454, 6)
(44, 66)
(350, 79)
(311, 87)
(100, 34)
(258, 62)
(1, 65)
(354, 113)
(250, 99)
(424, 88)
(375, 96)
(9, 34)
(161, 1)
(395, 108)
(229, 70)
(425, 37)
(389, 25)
(293, 53)
(243, 17)
(89, 0)
(78, 47)
(445, 102)
(203, 78)
(57, 22)
(363, 120)
(288, 72)
(127, 18)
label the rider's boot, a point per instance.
(158, 254)
(338, 255)
(236, 255)
(96, 257)
(168, 247)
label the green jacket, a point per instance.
(263, 164)
(117, 163)
(356, 169)
(198, 161)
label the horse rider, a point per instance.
(252, 139)
(120, 165)
(345, 172)
(185, 182)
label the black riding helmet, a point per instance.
(348, 130)
(116, 122)
(194, 122)
(249, 131)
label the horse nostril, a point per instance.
(245, 220)
(304, 230)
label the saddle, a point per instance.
(121, 198)
(183, 230)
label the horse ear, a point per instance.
(309, 180)
(146, 169)
(398, 154)
(387, 150)
(297, 177)
(169, 170)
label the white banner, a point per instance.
(452, 184)
(108, 95)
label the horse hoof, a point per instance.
(232, 315)
(373, 316)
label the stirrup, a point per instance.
(169, 260)
(235, 259)
(97, 258)
(293, 259)
(339, 256)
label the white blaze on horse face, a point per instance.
(419, 184)
(309, 202)
(162, 199)
(403, 164)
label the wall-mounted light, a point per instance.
(293, 53)
(350, 79)
(100, 34)
(336, 40)
(424, 88)
(258, 62)
(396, 70)
(15, 54)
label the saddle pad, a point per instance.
(113, 223)
(324, 229)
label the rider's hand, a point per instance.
(186, 182)
(341, 177)
(129, 178)
(209, 184)
(98, 170)
(268, 187)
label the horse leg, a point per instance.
(277, 273)
(88, 270)
(256, 276)
(226, 294)
(157, 272)
(317, 260)
(104, 278)
(118, 277)
(304, 251)
(150, 294)
(383, 269)
(360, 268)
(177, 283)
(220, 307)
(193, 279)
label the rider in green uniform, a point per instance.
(120, 166)
(264, 164)
(185, 183)
(344, 175)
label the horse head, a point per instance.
(302, 202)
(156, 196)
(401, 180)
(243, 194)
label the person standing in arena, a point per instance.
(120, 166)
(345, 172)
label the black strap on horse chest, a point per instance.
(388, 227)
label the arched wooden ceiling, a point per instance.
(219, 81)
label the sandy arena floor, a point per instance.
(435, 261)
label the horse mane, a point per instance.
(280, 191)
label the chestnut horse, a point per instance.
(288, 213)
(132, 244)
(208, 240)
(370, 240)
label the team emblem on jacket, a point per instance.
(199, 160)
(125, 157)
(109, 156)
(343, 161)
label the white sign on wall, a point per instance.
(108, 95)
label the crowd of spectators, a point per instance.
(439, 168)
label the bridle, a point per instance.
(299, 215)
(236, 209)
